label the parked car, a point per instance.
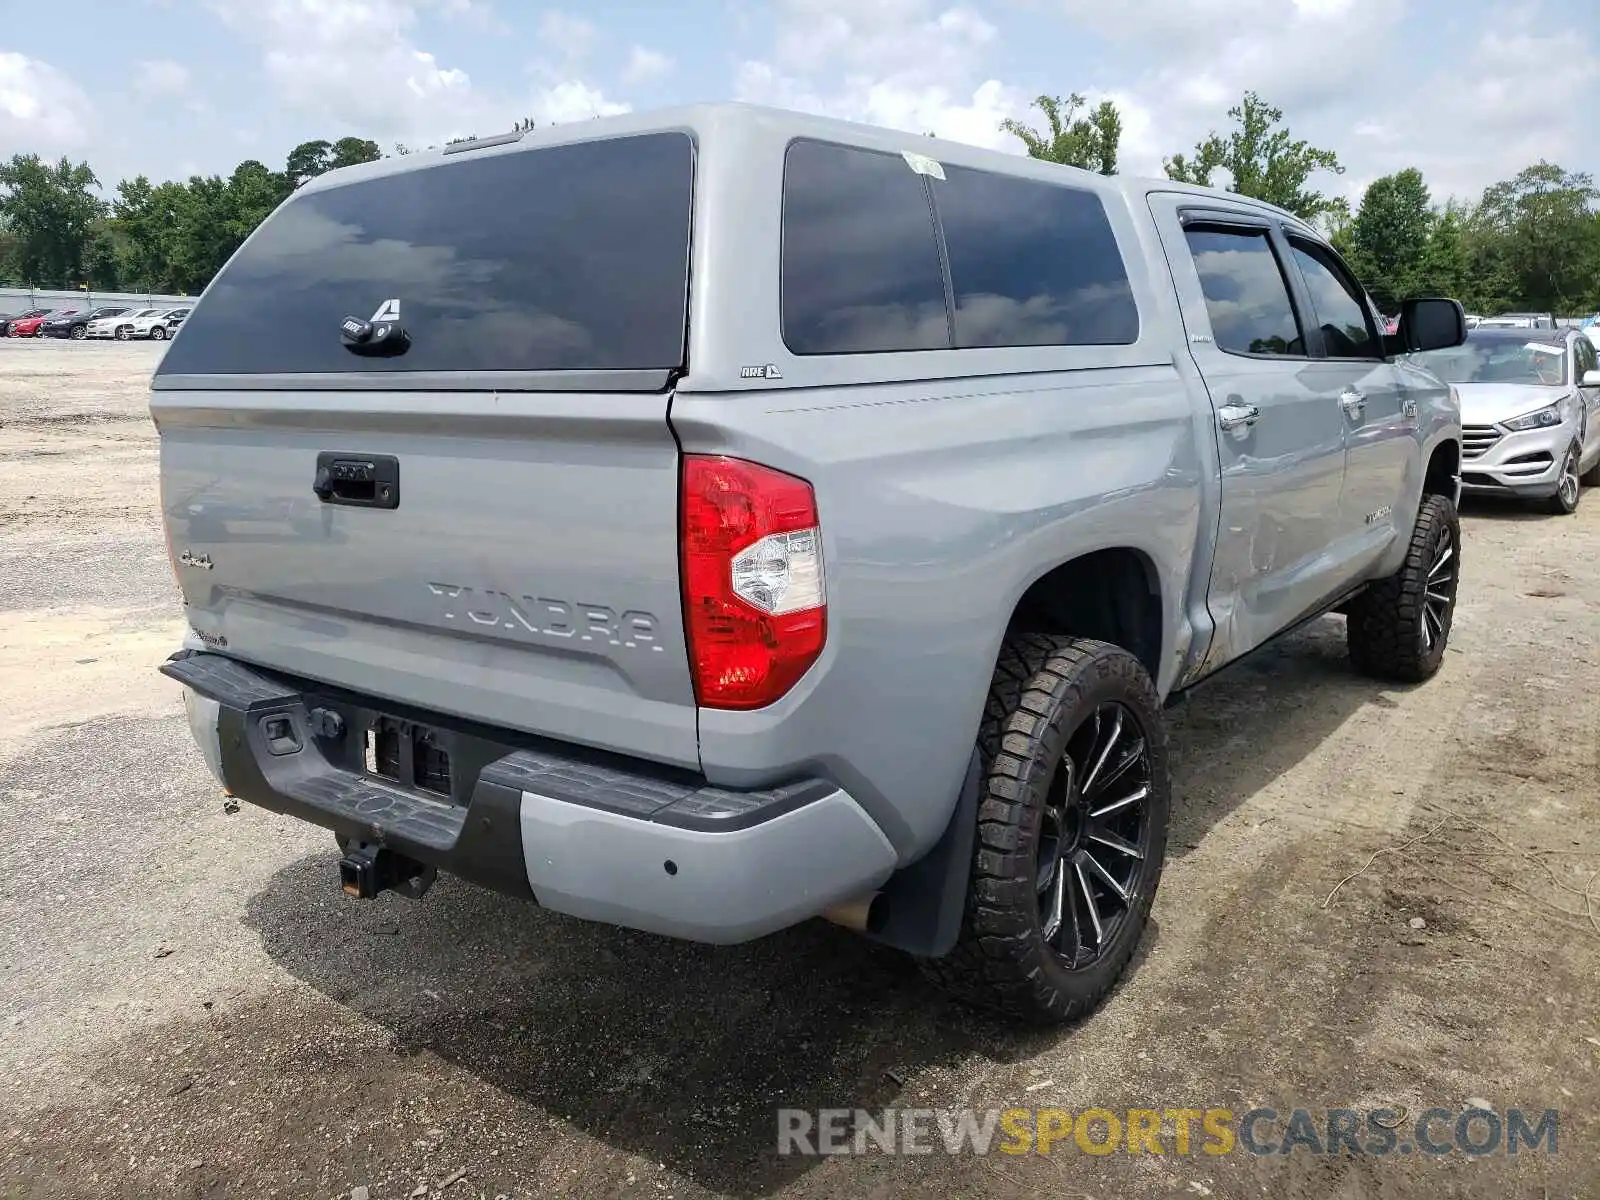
(106, 327)
(167, 324)
(708, 618)
(151, 323)
(1518, 321)
(75, 325)
(5, 322)
(34, 326)
(1530, 407)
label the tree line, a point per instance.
(1531, 242)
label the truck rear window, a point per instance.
(566, 258)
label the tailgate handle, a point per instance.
(358, 480)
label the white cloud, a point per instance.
(571, 37)
(356, 64)
(573, 101)
(42, 111)
(1518, 98)
(645, 64)
(1347, 80)
(476, 14)
(898, 63)
(352, 61)
(162, 77)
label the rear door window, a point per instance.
(1032, 263)
(860, 269)
(564, 258)
(1341, 309)
(1246, 294)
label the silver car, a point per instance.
(1530, 408)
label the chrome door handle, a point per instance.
(1232, 416)
(1352, 401)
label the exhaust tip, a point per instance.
(865, 914)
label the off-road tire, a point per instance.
(1045, 687)
(1384, 627)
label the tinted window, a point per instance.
(1587, 360)
(1246, 295)
(860, 259)
(564, 258)
(1341, 312)
(1032, 264)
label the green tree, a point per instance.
(1389, 236)
(1537, 237)
(1089, 141)
(1441, 268)
(50, 211)
(307, 161)
(252, 193)
(203, 233)
(102, 263)
(349, 151)
(1266, 163)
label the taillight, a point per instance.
(754, 601)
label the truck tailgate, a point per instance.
(526, 577)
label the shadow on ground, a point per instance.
(1505, 508)
(681, 1053)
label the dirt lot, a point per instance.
(189, 1007)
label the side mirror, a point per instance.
(1591, 378)
(1430, 324)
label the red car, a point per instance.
(29, 326)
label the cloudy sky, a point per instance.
(1468, 90)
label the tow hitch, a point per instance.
(368, 869)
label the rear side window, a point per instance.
(1032, 264)
(563, 258)
(860, 268)
(1341, 310)
(1247, 297)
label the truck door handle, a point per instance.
(1352, 401)
(359, 480)
(1232, 416)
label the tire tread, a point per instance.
(996, 961)
(1382, 630)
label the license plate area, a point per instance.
(409, 754)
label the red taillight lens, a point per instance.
(754, 600)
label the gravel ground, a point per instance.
(189, 1007)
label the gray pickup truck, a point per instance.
(708, 520)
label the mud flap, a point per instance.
(926, 901)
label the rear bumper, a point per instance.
(595, 836)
